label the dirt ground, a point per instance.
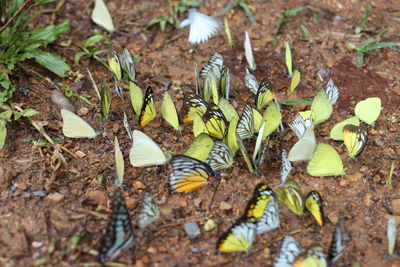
(43, 205)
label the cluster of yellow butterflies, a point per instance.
(219, 133)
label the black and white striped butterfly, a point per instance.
(290, 249)
(220, 156)
(119, 236)
(149, 211)
(214, 64)
(332, 92)
(340, 240)
(251, 82)
(245, 127)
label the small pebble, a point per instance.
(210, 224)
(192, 229)
(80, 154)
(56, 197)
(83, 111)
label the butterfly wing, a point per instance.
(291, 197)
(169, 112)
(200, 147)
(299, 125)
(355, 139)
(249, 52)
(368, 110)
(304, 148)
(336, 131)
(192, 104)
(272, 118)
(313, 204)
(220, 156)
(321, 107)
(145, 152)
(251, 82)
(238, 238)
(215, 121)
(325, 162)
(332, 92)
(75, 127)
(189, 174)
(201, 27)
(149, 211)
(286, 166)
(119, 235)
(245, 127)
(264, 94)
(312, 257)
(148, 111)
(119, 163)
(216, 62)
(290, 249)
(340, 241)
(228, 109)
(101, 16)
(127, 64)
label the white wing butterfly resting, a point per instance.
(340, 241)
(75, 127)
(286, 166)
(119, 163)
(149, 211)
(251, 82)
(290, 249)
(299, 125)
(145, 152)
(101, 16)
(249, 52)
(201, 26)
(304, 148)
(220, 156)
(332, 92)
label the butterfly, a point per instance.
(119, 236)
(189, 174)
(105, 101)
(290, 249)
(355, 139)
(214, 64)
(368, 110)
(340, 241)
(149, 211)
(148, 111)
(225, 82)
(169, 112)
(192, 104)
(211, 82)
(263, 206)
(201, 26)
(199, 127)
(300, 124)
(239, 237)
(245, 127)
(136, 97)
(313, 203)
(391, 234)
(304, 148)
(127, 65)
(200, 147)
(259, 153)
(220, 156)
(249, 52)
(75, 127)
(145, 152)
(290, 195)
(231, 138)
(118, 89)
(215, 121)
(273, 119)
(332, 92)
(119, 163)
(127, 126)
(228, 109)
(101, 16)
(321, 106)
(264, 94)
(114, 63)
(325, 162)
(313, 257)
(251, 82)
(258, 120)
(336, 131)
(286, 166)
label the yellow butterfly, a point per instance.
(189, 174)
(313, 204)
(239, 237)
(355, 139)
(169, 112)
(75, 127)
(192, 104)
(148, 111)
(200, 147)
(115, 65)
(290, 195)
(215, 121)
(313, 257)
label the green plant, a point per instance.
(369, 45)
(90, 48)
(17, 43)
(363, 21)
(176, 10)
(239, 3)
(289, 13)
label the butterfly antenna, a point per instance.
(213, 196)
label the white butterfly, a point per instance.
(149, 211)
(249, 52)
(145, 152)
(332, 92)
(290, 249)
(201, 26)
(101, 16)
(75, 127)
(299, 125)
(251, 82)
(286, 166)
(304, 148)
